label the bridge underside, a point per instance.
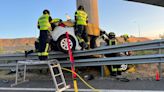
(152, 2)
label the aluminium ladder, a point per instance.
(55, 70)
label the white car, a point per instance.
(59, 37)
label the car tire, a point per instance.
(124, 67)
(62, 43)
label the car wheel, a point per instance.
(62, 43)
(124, 67)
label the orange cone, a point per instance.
(157, 76)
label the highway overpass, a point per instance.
(151, 2)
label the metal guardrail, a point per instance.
(156, 58)
(149, 45)
(118, 60)
(155, 44)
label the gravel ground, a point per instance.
(142, 79)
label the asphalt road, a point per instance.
(107, 84)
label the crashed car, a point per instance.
(58, 40)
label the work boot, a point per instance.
(83, 45)
(25, 53)
(28, 52)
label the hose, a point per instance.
(88, 85)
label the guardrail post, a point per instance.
(102, 71)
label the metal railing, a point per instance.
(149, 45)
(155, 44)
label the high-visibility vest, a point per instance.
(44, 22)
(55, 20)
(112, 42)
(116, 69)
(81, 17)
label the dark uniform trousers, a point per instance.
(43, 43)
(81, 32)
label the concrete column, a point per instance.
(91, 7)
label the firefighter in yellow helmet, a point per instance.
(131, 67)
(44, 26)
(125, 37)
(81, 20)
(126, 40)
(114, 69)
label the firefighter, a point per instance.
(55, 22)
(114, 69)
(81, 20)
(126, 40)
(131, 67)
(125, 37)
(44, 26)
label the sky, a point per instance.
(19, 17)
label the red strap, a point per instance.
(70, 55)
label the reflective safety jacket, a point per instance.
(56, 20)
(112, 42)
(81, 17)
(43, 22)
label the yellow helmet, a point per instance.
(111, 35)
(126, 36)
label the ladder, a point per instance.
(54, 67)
(57, 73)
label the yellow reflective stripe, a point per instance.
(80, 39)
(55, 20)
(39, 54)
(47, 46)
(114, 69)
(44, 54)
(119, 69)
(111, 41)
(88, 43)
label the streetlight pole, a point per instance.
(138, 28)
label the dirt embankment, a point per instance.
(16, 42)
(21, 44)
(16, 45)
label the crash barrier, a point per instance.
(149, 45)
(155, 44)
